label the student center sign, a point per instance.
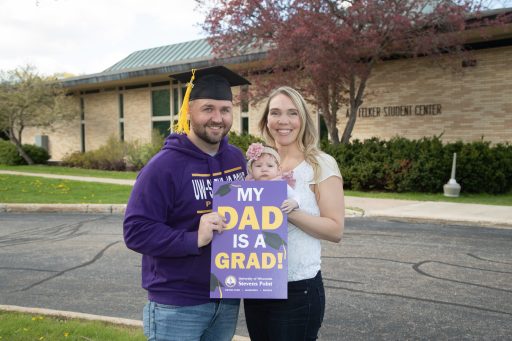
(412, 98)
(399, 110)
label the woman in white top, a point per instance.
(287, 125)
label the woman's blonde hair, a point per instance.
(307, 139)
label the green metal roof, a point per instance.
(186, 51)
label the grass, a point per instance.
(29, 189)
(481, 198)
(24, 189)
(20, 326)
(71, 171)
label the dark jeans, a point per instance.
(297, 318)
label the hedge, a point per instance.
(396, 165)
(423, 165)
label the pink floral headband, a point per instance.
(255, 151)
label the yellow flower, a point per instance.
(66, 334)
(41, 338)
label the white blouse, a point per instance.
(304, 251)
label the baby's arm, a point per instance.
(289, 205)
(292, 202)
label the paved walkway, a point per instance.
(432, 211)
(72, 177)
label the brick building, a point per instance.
(407, 97)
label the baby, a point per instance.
(263, 164)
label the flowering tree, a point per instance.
(30, 100)
(328, 49)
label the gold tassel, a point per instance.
(183, 126)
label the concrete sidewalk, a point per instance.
(72, 177)
(433, 211)
(428, 211)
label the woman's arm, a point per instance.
(331, 222)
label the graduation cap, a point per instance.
(208, 83)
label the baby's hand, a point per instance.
(289, 205)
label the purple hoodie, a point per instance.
(170, 195)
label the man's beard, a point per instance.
(211, 139)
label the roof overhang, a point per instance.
(154, 73)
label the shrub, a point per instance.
(138, 154)
(423, 165)
(108, 157)
(9, 154)
(242, 141)
(116, 155)
(38, 154)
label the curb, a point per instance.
(71, 314)
(56, 208)
(101, 208)
(426, 220)
(89, 317)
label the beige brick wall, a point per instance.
(474, 103)
(137, 115)
(237, 112)
(63, 137)
(101, 118)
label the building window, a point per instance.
(161, 102)
(82, 109)
(121, 117)
(121, 131)
(244, 109)
(82, 125)
(175, 101)
(121, 106)
(245, 125)
(162, 127)
(82, 138)
(244, 98)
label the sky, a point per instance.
(88, 36)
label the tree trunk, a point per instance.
(17, 143)
(356, 99)
(347, 133)
(333, 133)
(330, 122)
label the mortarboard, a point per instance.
(209, 83)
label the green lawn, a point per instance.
(71, 171)
(19, 326)
(485, 199)
(28, 189)
(24, 189)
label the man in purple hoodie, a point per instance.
(169, 218)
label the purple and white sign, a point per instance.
(249, 259)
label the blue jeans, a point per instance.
(297, 318)
(214, 321)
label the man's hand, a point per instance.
(209, 222)
(289, 205)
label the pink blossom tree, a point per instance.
(327, 49)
